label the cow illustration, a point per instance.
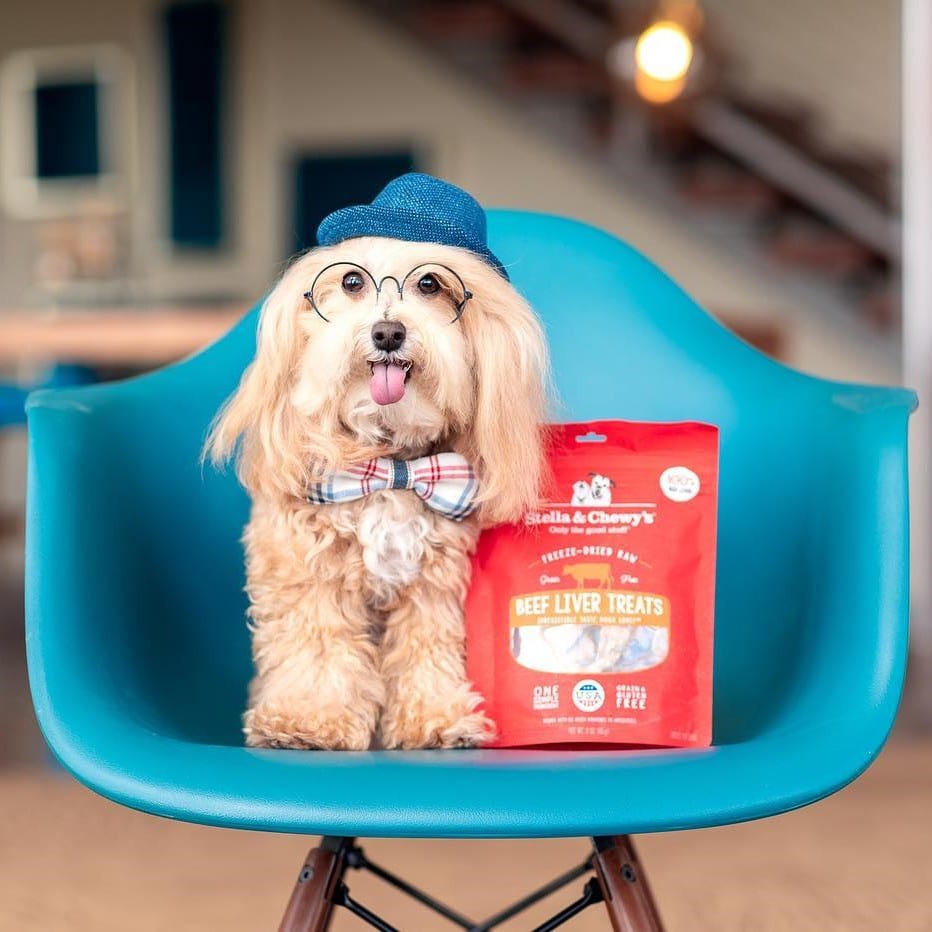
(592, 573)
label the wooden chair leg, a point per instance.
(312, 899)
(624, 886)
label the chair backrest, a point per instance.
(626, 342)
(13, 397)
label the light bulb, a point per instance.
(664, 52)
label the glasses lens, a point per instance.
(435, 283)
(339, 286)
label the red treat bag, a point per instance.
(592, 621)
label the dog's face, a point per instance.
(388, 349)
(383, 347)
(600, 486)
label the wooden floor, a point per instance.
(860, 860)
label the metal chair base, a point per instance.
(619, 882)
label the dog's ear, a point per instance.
(611, 483)
(259, 426)
(511, 382)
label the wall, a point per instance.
(321, 75)
(841, 56)
(313, 95)
(311, 76)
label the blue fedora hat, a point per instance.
(420, 209)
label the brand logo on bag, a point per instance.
(596, 496)
(622, 516)
(588, 696)
(596, 490)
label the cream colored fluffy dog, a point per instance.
(357, 607)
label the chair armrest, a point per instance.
(133, 562)
(856, 601)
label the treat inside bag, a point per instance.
(592, 622)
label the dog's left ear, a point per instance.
(505, 442)
(272, 442)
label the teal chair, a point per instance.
(13, 396)
(139, 655)
(12, 405)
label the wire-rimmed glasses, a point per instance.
(429, 280)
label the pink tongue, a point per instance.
(387, 384)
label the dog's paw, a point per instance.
(294, 724)
(470, 731)
(410, 729)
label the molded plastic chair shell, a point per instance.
(138, 650)
(13, 397)
(12, 405)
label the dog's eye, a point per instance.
(353, 282)
(428, 284)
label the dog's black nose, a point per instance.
(388, 335)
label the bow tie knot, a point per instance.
(445, 482)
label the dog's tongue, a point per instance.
(387, 384)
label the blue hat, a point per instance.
(420, 209)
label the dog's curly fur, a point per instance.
(357, 608)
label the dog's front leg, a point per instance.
(317, 683)
(429, 703)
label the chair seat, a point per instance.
(457, 794)
(138, 649)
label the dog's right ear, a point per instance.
(258, 426)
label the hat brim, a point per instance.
(367, 220)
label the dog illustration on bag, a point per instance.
(582, 493)
(597, 490)
(599, 574)
(601, 487)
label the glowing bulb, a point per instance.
(664, 52)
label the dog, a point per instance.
(356, 606)
(582, 493)
(601, 487)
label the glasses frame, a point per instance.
(460, 305)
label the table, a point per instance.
(114, 337)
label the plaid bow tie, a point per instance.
(446, 482)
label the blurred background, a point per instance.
(161, 161)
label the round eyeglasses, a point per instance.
(343, 280)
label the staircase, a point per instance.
(752, 175)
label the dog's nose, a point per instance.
(388, 335)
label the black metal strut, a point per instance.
(356, 858)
